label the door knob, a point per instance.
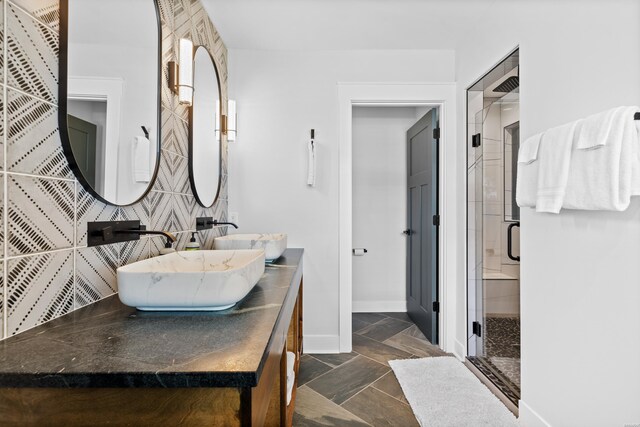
(407, 232)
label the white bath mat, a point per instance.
(443, 392)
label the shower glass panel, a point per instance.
(493, 269)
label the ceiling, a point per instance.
(345, 24)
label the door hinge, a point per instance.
(436, 307)
(476, 328)
(436, 133)
(436, 220)
(476, 140)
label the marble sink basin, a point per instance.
(190, 280)
(272, 244)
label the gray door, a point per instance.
(82, 136)
(422, 221)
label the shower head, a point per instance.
(509, 85)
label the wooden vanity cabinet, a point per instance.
(223, 404)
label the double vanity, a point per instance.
(193, 337)
(111, 364)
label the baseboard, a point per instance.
(530, 418)
(379, 306)
(459, 350)
(319, 344)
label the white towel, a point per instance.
(291, 362)
(606, 173)
(291, 375)
(290, 382)
(141, 155)
(595, 130)
(311, 175)
(527, 170)
(553, 173)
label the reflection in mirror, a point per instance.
(109, 95)
(204, 150)
(511, 148)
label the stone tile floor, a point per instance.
(359, 388)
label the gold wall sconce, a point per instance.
(181, 74)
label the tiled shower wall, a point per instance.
(47, 269)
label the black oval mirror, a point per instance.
(109, 95)
(204, 135)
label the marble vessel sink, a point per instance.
(272, 244)
(190, 280)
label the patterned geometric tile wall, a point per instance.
(46, 269)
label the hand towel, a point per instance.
(291, 375)
(291, 361)
(290, 382)
(528, 152)
(141, 155)
(606, 174)
(527, 172)
(311, 152)
(595, 130)
(553, 173)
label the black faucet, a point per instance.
(107, 232)
(207, 222)
(216, 222)
(170, 237)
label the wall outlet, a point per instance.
(233, 217)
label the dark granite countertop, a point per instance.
(108, 344)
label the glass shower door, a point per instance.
(493, 268)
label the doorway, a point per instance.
(395, 205)
(493, 225)
(443, 96)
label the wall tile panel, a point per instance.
(47, 209)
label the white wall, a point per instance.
(580, 274)
(281, 95)
(380, 206)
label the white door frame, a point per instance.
(442, 95)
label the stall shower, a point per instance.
(493, 227)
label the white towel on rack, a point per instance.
(311, 154)
(595, 129)
(140, 155)
(527, 170)
(605, 167)
(555, 160)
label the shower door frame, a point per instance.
(468, 321)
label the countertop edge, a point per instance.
(160, 379)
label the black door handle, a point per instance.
(510, 241)
(407, 232)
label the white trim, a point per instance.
(110, 90)
(530, 418)
(459, 350)
(379, 306)
(442, 95)
(321, 344)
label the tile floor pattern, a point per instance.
(359, 388)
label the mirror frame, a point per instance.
(191, 175)
(63, 76)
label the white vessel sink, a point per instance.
(190, 280)
(272, 244)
